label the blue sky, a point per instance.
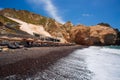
(87, 12)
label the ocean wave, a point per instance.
(102, 49)
(103, 62)
(93, 63)
(111, 50)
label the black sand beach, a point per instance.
(29, 61)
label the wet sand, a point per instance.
(30, 60)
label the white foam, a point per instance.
(103, 62)
(110, 50)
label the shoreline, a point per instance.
(29, 61)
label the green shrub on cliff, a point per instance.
(104, 24)
(5, 20)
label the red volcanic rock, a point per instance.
(102, 35)
(94, 35)
(81, 35)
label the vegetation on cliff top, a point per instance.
(104, 24)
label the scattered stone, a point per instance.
(5, 49)
(0, 49)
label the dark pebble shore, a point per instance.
(30, 60)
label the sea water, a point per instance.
(104, 62)
(93, 63)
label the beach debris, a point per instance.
(12, 46)
(5, 49)
(20, 42)
(0, 49)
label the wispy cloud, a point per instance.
(86, 15)
(50, 8)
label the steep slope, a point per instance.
(51, 26)
(10, 27)
(30, 28)
(28, 23)
(24, 15)
(5, 20)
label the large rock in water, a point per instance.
(94, 35)
(80, 35)
(102, 35)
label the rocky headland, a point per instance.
(94, 35)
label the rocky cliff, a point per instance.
(54, 28)
(101, 34)
(118, 37)
(80, 34)
(94, 35)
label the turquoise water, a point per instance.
(114, 47)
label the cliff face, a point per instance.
(101, 34)
(118, 37)
(8, 27)
(54, 28)
(80, 35)
(94, 35)
(31, 28)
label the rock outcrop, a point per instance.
(118, 37)
(67, 29)
(94, 35)
(102, 35)
(52, 27)
(81, 35)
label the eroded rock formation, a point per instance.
(101, 34)
(94, 35)
(81, 35)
